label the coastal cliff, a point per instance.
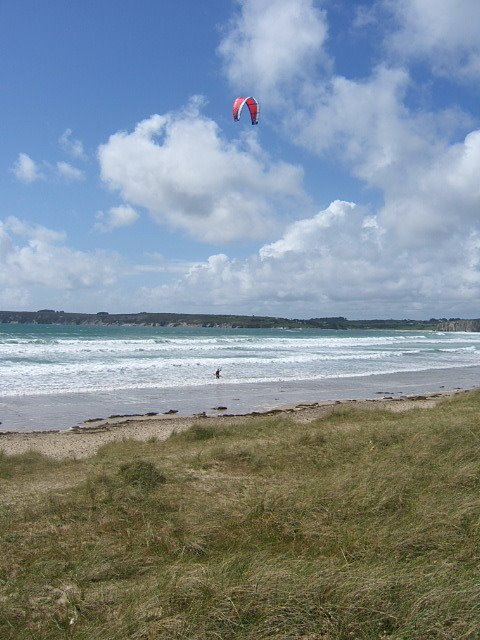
(459, 325)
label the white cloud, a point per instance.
(116, 217)
(271, 43)
(26, 170)
(35, 233)
(408, 154)
(13, 298)
(35, 255)
(304, 234)
(160, 264)
(429, 184)
(180, 168)
(71, 146)
(445, 33)
(69, 172)
(367, 124)
(441, 201)
(340, 261)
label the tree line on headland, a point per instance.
(103, 318)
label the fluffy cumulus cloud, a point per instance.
(26, 170)
(444, 33)
(116, 217)
(300, 270)
(418, 254)
(429, 182)
(365, 123)
(440, 202)
(180, 168)
(306, 235)
(339, 261)
(427, 176)
(272, 43)
(34, 255)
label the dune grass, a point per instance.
(27, 463)
(363, 525)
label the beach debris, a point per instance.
(170, 412)
(87, 429)
(305, 405)
(133, 415)
(200, 415)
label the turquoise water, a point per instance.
(46, 359)
(57, 376)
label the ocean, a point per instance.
(54, 376)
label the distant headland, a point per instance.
(103, 318)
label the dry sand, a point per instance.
(84, 441)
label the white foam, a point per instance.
(70, 362)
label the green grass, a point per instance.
(27, 463)
(364, 525)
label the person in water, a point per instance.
(217, 373)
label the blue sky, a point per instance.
(126, 186)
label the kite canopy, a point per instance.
(252, 105)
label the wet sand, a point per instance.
(84, 441)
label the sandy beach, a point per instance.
(82, 442)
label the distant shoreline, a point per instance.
(146, 319)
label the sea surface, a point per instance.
(62, 374)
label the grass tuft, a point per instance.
(26, 463)
(142, 474)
